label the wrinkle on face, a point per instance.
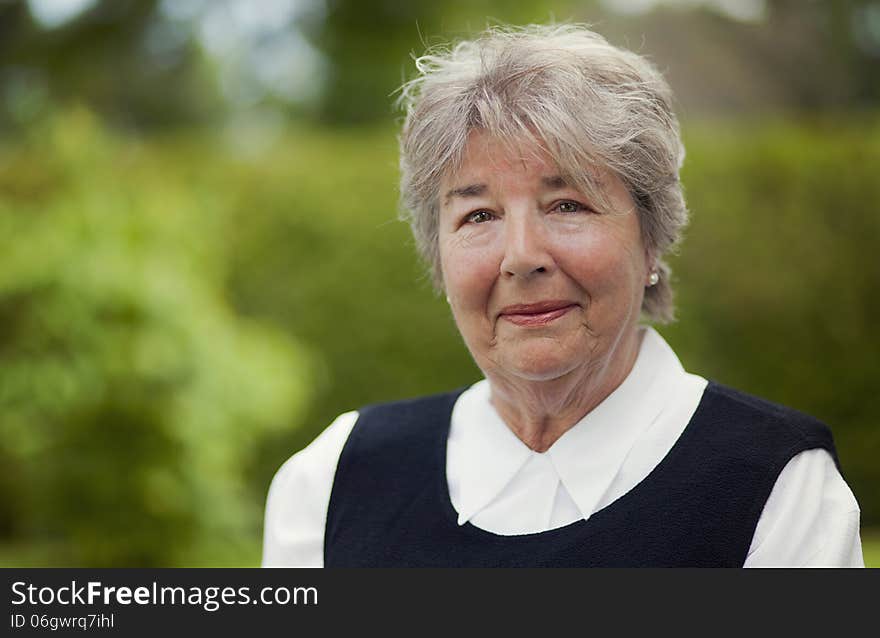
(549, 373)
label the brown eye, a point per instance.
(569, 207)
(479, 216)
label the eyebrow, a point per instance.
(471, 190)
(555, 182)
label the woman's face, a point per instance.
(540, 284)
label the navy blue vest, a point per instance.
(699, 507)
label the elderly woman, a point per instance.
(540, 175)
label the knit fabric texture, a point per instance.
(699, 507)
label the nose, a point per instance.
(525, 247)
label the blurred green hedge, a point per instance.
(132, 394)
(176, 320)
(779, 274)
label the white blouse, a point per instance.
(496, 482)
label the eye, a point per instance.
(479, 217)
(569, 207)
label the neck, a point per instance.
(539, 412)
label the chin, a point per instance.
(540, 364)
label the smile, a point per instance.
(536, 315)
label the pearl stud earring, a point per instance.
(653, 278)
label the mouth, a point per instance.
(535, 315)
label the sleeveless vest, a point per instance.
(390, 507)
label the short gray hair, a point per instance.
(567, 90)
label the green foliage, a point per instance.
(871, 547)
(117, 56)
(153, 295)
(779, 277)
(368, 44)
(132, 395)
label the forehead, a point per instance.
(487, 156)
(489, 162)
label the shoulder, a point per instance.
(317, 458)
(403, 422)
(749, 415)
(811, 517)
(296, 506)
(413, 407)
(380, 423)
(382, 420)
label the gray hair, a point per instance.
(569, 92)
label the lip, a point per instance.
(536, 314)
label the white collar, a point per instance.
(484, 455)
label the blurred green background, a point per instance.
(202, 267)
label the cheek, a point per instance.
(602, 264)
(468, 274)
